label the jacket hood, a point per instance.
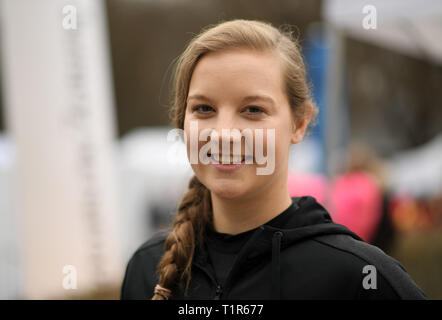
(308, 219)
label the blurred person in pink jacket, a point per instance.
(357, 198)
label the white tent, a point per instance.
(410, 26)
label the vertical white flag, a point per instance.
(59, 111)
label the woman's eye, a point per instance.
(202, 109)
(254, 110)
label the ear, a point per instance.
(300, 125)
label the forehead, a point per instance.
(238, 71)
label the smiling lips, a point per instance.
(216, 161)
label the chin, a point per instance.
(228, 189)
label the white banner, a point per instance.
(58, 98)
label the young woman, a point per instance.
(237, 233)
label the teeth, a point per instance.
(248, 158)
(215, 157)
(233, 159)
(236, 159)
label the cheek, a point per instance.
(280, 140)
(193, 147)
(191, 134)
(187, 140)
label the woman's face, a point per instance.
(241, 89)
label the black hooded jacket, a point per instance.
(302, 255)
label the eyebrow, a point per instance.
(256, 97)
(247, 99)
(198, 97)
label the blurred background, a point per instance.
(87, 173)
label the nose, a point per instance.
(226, 129)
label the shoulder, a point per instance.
(155, 243)
(375, 269)
(151, 250)
(140, 276)
(320, 270)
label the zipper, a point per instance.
(218, 292)
(219, 288)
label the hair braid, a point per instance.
(188, 230)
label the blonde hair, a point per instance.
(194, 211)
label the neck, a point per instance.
(233, 216)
